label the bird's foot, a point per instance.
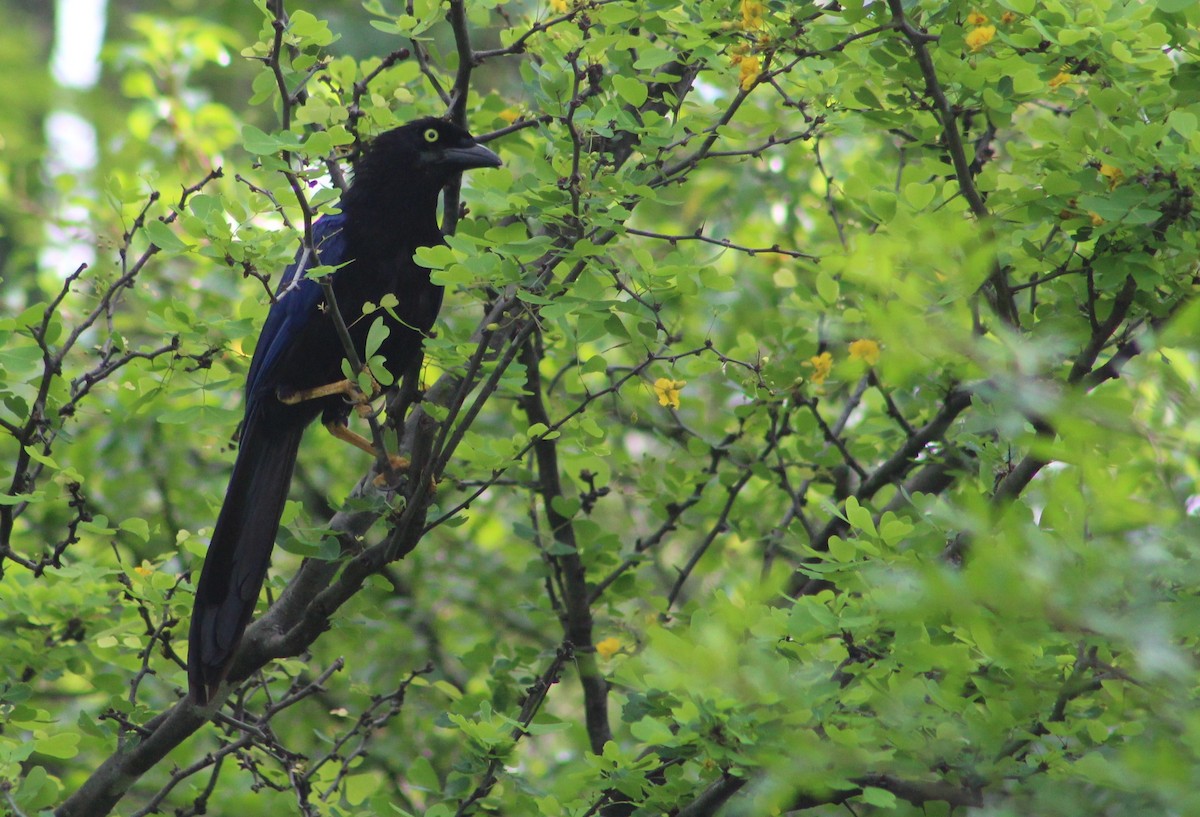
(362, 400)
(397, 466)
(348, 389)
(339, 429)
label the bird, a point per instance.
(386, 214)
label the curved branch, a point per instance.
(1003, 301)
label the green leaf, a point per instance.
(827, 287)
(420, 774)
(859, 517)
(358, 787)
(256, 141)
(17, 499)
(447, 689)
(380, 371)
(39, 457)
(436, 257)
(376, 335)
(305, 25)
(566, 506)
(842, 550)
(138, 527)
(31, 314)
(63, 746)
(264, 144)
(164, 237)
(37, 790)
(652, 732)
(1183, 122)
(631, 89)
(880, 798)
(1019, 6)
(545, 724)
(919, 194)
(882, 204)
(21, 362)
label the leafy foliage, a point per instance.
(811, 416)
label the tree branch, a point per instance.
(577, 615)
(1003, 298)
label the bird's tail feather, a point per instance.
(240, 551)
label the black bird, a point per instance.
(296, 375)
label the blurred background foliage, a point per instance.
(882, 475)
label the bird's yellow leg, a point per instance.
(343, 432)
(347, 388)
(339, 429)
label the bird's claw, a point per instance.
(362, 400)
(396, 466)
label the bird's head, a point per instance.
(428, 151)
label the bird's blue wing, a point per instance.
(296, 301)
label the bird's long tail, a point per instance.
(240, 551)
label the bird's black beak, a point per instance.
(467, 158)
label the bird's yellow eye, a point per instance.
(431, 135)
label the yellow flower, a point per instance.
(143, 571)
(1096, 218)
(752, 13)
(1008, 17)
(608, 647)
(750, 67)
(559, 5)
(865, 350)
(822, 365)
(975, 18)
(509, 115)
(980, 37)
(668, 391)
(1112, 173)
(1060, 79)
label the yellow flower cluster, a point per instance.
(1061, 78)
(608, 647)
(560, 6)
(822, 365)
(752, 14)
(1113, 173)
(980, 37)
(863, 349)
(749, 67)
(866, 350)
(668, 391)
(981, 33)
